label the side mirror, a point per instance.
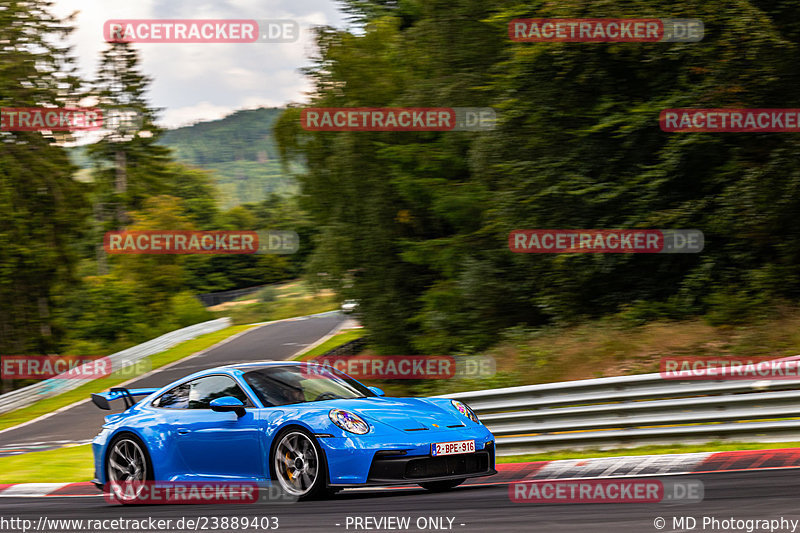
(377, 391)
(228, 404)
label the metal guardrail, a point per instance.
(211, 299)
(120, 360)
(635, 411)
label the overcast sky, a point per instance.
(196, 82)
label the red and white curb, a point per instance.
(641, 465)
(36, 490)
(649, 465)
(600, 467)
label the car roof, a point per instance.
(262, 364)
(235, 369)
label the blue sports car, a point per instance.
(309, 429)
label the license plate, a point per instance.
(453, 448)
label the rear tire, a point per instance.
(128, 463)
(441, 486)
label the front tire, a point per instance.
(298, 464)
(441, 486)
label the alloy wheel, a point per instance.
(296, 463)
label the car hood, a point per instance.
(406, 414)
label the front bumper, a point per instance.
(99, 444)
(387, 470)
(372, 461)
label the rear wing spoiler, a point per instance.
(102, 399)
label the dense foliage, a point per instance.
(241, 152)
(418, 224)
(42, 209)
(60, 291)
(414, 225)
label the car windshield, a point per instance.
(284, 385)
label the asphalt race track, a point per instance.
(764, 494)
(275, 341)
(481, 506)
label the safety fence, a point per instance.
(119, 361)
(637, 410)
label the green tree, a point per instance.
(130, 166)
(424, 218)
(42, 209)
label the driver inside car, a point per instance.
(294, 395)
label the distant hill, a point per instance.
(239, 149)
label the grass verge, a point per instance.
(158, 360)
(276, 302)
(646, 450)
(280, 309)
(334, 342)
(71, 464)
(613, 346)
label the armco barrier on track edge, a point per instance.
(54, 386)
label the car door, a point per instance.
(210, 444)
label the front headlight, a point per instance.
(348, 421)
(466, 411)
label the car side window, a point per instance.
(175, 398)
(204, 390)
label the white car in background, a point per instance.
(349, 306)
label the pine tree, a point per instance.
(129, 164)
(42, 208)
